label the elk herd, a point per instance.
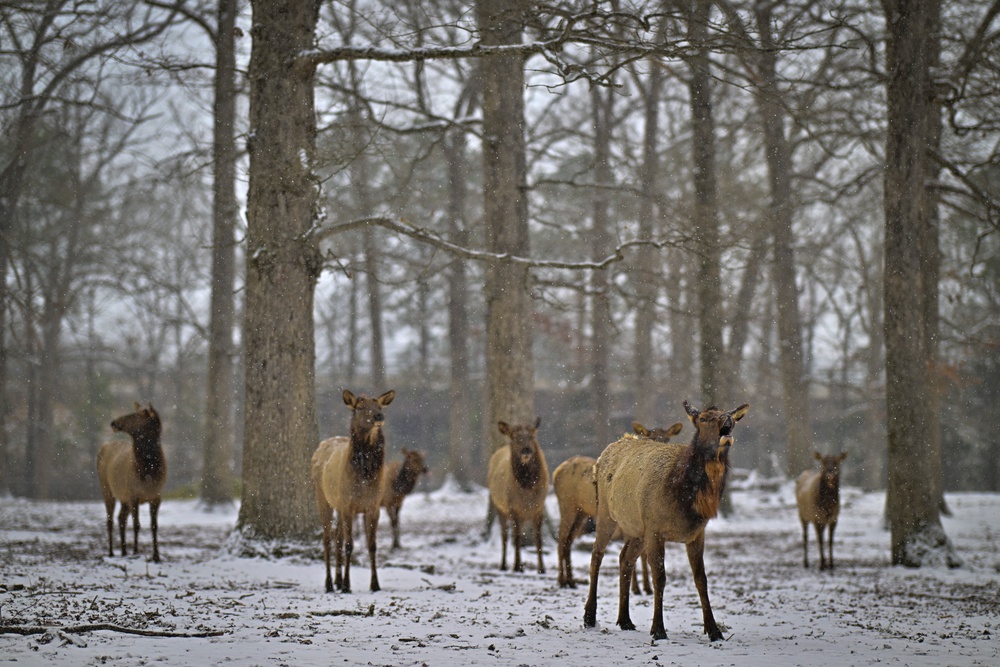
(642, 490)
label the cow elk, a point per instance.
(817, 493)
(347, 476)
(657, 493)
(518, 481)
(399, 479)
(133, 473)
(573, 481)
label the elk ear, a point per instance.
(350, 400)
(692, 411)
(675, 429)
(818, 456)
(640, 429)
(538, 422)
(843, 455)
(504, 427)
(386, 398)
(739, 412)
(137, 406)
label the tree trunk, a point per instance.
(602, 108)
(509, 359)
(644, 272)
(793, 377)
(283, 264)
(706, 224)
(217, 467)
(917, 536)
(460, 433)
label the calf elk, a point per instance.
(817, 493)
(656, 493)
(347, 476)
(518, 480)
(133, 473)
(399, 479)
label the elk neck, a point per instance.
(150, 463)
(367, 453)
(698, 480)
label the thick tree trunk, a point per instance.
(283, 263)
(706, 223)
(509, 359)
(917, 536)
(602, 106)
(793, 377)
(460, 435)
(644, 271)
(217, 446)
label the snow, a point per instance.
(445, 602)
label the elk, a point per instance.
(399, 479)
(347, 475)
(817, 493)
(132, 474)
(518, 480)
(573, 481)
(657, 493)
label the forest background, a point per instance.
(728, 159)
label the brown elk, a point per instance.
(399, 479)
(347, 476)
(817, 493)
(573, 481)
(132, 474)
(656, 493)
(518, 480)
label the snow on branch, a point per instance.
(429, 237)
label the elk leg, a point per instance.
(654, 552)
(647, 588)
(626, 574)
(833, 526)
(567, 530)
(348, 552)
(605, 528)
(518, 565)
(135, 527)
(538, 543)
(122, 523)
(371, 528)
(326, 518)
(339, 574)
(109, 508)
(696, 557)
(819, 536)
(503, 540)
(154, 511)
(805, 545)
(394, 521)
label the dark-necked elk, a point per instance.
(133, 473)
(657, 493)
(399, 480)
(573, 482)
(817, 493)
(518, 480)
(347, 475)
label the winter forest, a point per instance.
(584, 212)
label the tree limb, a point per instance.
(91, 627)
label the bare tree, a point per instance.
(917, 535)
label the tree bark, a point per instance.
(917, 536)
(780, 208)
(706, 224)
(644, 272)
(509, 358)
(602, 108)
(283, 264)
(218, 443)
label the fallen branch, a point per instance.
(346, 612)
(91, 627)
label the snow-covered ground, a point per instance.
(445, 602)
